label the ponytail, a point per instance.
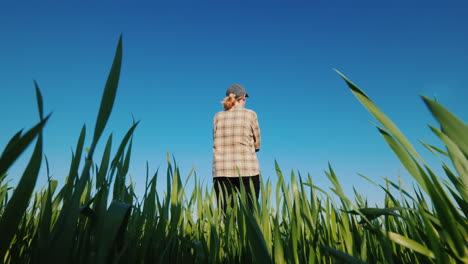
(229, 101)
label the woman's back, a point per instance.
(236, 139)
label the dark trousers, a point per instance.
(230, 185)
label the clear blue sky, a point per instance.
(180, 56)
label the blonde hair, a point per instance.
(230, 101)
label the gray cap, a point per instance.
(236, 89)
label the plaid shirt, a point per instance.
(236, 137)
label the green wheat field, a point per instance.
(95, 217)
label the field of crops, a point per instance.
(76, 223)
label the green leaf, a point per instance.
(110, 234)
(342, 256)
(411, 244)
(458, 158)
(380, 116)
(405, 158)
(277, 243)
(434, 149)
(451, 125)
(101, 175)
(64, 229)
(18, 144)
(256, 241)
(46, 212)
(73, 172)
(372, 213)
(19, 201)
(110, 91)
(40, 104)
(121, 149)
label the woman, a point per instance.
(236, 140)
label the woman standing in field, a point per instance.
(236, 137)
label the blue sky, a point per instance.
(180, 56)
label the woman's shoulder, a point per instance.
(250, 112)
(233, 111)
(220, 114)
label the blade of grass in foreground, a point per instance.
(40, 104)
(411, 244)
(451, 125)
(379, 115)
(64, 229)
(110, 91)
(256, 241)
(372, 213)
(340, 255)
(18, 145)
(115, 223)
(458, 158)
(406, 159)
(19, 201)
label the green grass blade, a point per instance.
(115, 223)
(108, 96)
(65, 227)
(372, 213)
(126, 163)
(18, 144)
(121, 149)
(451, 125)
(40, 104)
(277, 243)
(341, 256)
(3, 196)
(19, 201)
(380, 116)
(434, 149)
(411, 244)
(13, 141)
(456, 155)
(149, 211)
(73, 172)
(101, 175)
(46, 212)
(405, 158)
(257, 244)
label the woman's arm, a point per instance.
(256, 133)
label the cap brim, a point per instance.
(246, 95)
